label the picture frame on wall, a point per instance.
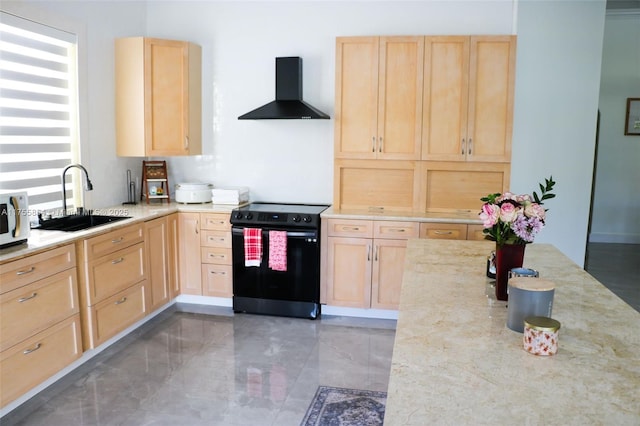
(632, 121)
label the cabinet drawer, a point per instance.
(108, 243)
(116, 313)
(475, 232)
(115, 272)
(215, 239)
(215, 221)
(350, 228)
(217, 280)
(217, 255)
(29, 363)
(444, 231)
(32, 308)
(29, 269)
(396, 230)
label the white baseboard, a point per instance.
(598, 237)
(360, 313)
(205, 300)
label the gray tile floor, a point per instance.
(617, 266)
(196, 369)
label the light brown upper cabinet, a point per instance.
(158, 97)
(378, 97)
(468, 98)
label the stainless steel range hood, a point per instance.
(288, 103)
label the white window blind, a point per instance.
(38, 110)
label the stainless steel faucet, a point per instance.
(87, 187)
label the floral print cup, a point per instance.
(541, 335)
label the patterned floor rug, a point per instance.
(345, 407)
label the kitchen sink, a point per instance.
(77, 222)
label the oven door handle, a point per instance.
(290, 234)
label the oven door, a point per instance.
(301, 280)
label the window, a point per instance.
(38, 111)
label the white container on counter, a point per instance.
(193, 192)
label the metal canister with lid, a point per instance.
(541, 335)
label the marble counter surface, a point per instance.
(462, 216)
(45, 240)
(455, 361)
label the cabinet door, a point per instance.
(189, 254)
(158, 97)
(157, 244)
(174, 267)
(356, 97)
(475, 232)
(216, 280)
(166, 97)
(388, 266)
(349, 272)
(445, 104)
(400, 98)
(491, 88)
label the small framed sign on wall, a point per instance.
(632, 122)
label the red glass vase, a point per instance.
(508, 256)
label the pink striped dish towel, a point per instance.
(252, 246)
(278, 250)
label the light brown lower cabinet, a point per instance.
(365, 260)
(205, 254)
(112, 315)
(451, 231)
(113, 282)
(34, 360)
(39, 319)
(161, 241)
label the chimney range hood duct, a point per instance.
(288, 103)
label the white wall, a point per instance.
(557, 84)
(557, 80)
(616, 204)
(288, 160)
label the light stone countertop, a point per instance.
(455, 362)
(45, 240)
(462, 216)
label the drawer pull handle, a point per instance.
(24, 299)
(28, 271)
(222, 256)
(113, 262)
(443, 232)
(216, 272)
(35, 348)
(121, 301)
(396, 229)
(350, 228)
(119, 240)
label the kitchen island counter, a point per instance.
(456, 362)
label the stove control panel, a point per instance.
(250, 218)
